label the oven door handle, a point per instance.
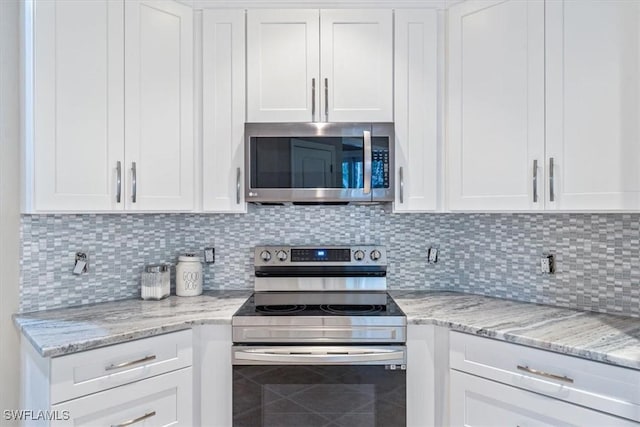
(314, 356)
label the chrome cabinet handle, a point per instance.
(367, 161)
(552, 193)
(133, 362)
(401, 184)
(535, 181)
(134, 183)
(545, 374)
(313, 99)
(326, 99)
(135, 420)
(118, 181)
(238, 186)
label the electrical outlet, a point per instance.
(432, 255)
(209, 255)
(547, 264)
(81, 264)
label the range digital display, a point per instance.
(320, 255)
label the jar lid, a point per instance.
(189, 257)
(156, 268)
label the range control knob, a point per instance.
(265, 255)
(282, 255)
(375, 255)
(358, 255)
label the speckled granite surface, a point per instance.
(594, 336)
(600, 337)
(69, 330)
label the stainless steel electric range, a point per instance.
(320, 342)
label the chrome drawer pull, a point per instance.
(545, 374)
(133, 362)
(135, 420)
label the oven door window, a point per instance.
(328, 396)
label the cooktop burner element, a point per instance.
(252, 310)
(280, 309)
(351, 309)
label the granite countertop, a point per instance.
(595, 336)
(69, 330)
(601, 337)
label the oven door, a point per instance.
(319, 386)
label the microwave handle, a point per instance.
(367, 161)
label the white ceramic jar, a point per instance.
(188, 275)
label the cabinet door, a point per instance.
(283, 65)
(164, 400)
(496, 105)
(223, 107)
(416, 110)
(479, 402)
(159, 105)
(357, 65)
(593, 104)
(75, 130)
(213, 376)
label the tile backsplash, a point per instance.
(597, 255)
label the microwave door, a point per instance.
(310, 164)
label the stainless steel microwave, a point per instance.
(319, 162)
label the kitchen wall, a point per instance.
(489, 254)
(9, 204)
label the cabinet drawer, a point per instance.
(91, 371)
(479, 402)
(607, 388)
(165, 400)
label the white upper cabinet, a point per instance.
(223, 107)
(328, 65)
(74, 100)
(283, 65)
(416, 110)
(101, 98)
(553, 84)
(593, 104)
(496, 105)
(159, 105)
(356, 51)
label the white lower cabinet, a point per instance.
(494, 383)
(165, 400)
(213, 376)
(427, 375)
(148, 381)
(479, 402)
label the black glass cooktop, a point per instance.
(390, 308)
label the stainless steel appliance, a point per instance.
(319, 162)
(320, 342)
